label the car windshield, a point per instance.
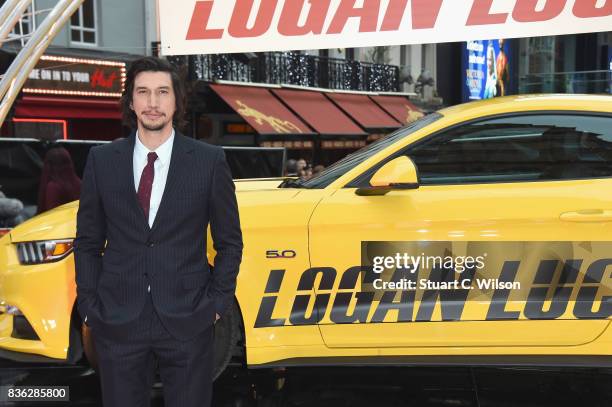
(339, 168)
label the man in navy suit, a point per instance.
(144, 286)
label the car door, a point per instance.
(528, 195)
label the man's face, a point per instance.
(153, 100)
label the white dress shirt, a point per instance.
(161, 165)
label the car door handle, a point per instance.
(587, 215)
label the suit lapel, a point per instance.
(179, 167)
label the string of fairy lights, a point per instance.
(288, 67)
(299, 69)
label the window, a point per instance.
(83, 24)
(518, 148)
(338, 169)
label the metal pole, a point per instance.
(7, 8)
(10, 13)
(16, 75)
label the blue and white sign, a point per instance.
(486, 69)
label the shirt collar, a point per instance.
(164, 151)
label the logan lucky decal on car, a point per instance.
(449, 281)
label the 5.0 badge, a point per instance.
(280, 254)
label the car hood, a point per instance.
(57, 223)
(257, 184)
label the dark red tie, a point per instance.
(146, 183)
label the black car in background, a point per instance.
(21, 163)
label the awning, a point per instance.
(364, 111)
(261, 109)
(319, 112)
(399, 107)
(56, 107)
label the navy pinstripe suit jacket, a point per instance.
(117, 255)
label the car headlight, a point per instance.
(43, 251)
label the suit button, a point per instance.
(150, 244)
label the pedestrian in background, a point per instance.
(301, 164)
(291, 168)
(59, 183)
(306, 172)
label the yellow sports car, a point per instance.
(479, 234)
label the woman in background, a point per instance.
(59, 183)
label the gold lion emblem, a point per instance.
(280, 126)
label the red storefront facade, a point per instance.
(70, 98)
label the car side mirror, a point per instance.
(399, 173)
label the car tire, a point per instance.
(226, 338)
(89, 348)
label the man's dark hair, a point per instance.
(151, 64)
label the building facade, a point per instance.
(566, 64)
(577, 63)
(73, 92)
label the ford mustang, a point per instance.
(479, 234)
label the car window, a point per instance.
(339, 168)
(518, 148)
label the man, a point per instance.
(503, 72)
(301, 164)
(148, 295)
(317, 170)
(291, 168)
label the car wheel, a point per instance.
(88, 347)
(227, 335)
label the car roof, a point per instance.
(521, 103)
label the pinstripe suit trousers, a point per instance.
(127, 366)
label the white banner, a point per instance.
(221, 26)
